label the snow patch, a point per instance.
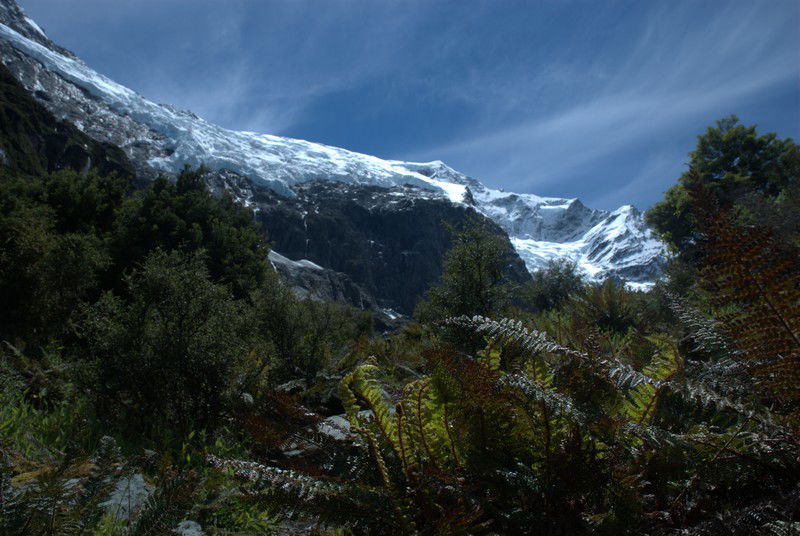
(454, 192)
(277, 258)
(602, 243)
(35, 26)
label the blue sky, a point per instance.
(589, 99)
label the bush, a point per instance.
(185, 216)
(472, 281)
(305, 335)
(172, 353)
(552, 285)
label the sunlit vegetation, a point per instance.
(156, 373)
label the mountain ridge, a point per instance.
(161, 138)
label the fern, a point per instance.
(755, 282)
(704, 332)
(332, 501)
(361, 382)
(532, 393)
(622, 374)
(9, 498)
(666, 365)
(166, 507)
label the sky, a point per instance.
(569, 98)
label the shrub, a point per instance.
(552, 285)
(172, 353)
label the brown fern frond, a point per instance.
(755, 283)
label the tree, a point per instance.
(756, 174)
(472, 281)
(173, 353)
(52, 251)
(552, 285)
(186, 216)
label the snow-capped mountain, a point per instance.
(160, 138)
(604, 244)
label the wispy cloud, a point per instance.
(558, 98)
(677, 68)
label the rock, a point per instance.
(390, 242)
(336, 427)
(188, 528)
(293, 386)
(309, 280)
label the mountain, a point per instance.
(297, 188)
(390, 241)
(33, 142)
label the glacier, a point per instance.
(603, 244)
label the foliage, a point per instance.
(173, 352)
(754, 282)
(472, 279)
(739, 168)
(307, 336)
(152, 320)
(185, 215)
(53, 254)
(506, 442)
(552, 285)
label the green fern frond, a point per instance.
(332, 501)
(490, 356)
(166, 507)
(362, 384)
(533, 393)
(641, 402)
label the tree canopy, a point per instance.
(472, 281)
(757, 174)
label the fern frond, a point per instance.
(166, 507)
(361, 383)
(642, 401)
(756, 280)
(620, 373)
(704, 332)
(532, 392)
(333, 501)
(9, 497)
(532, 341)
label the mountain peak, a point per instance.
(163, 139)
(13, 16)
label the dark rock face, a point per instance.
(32, 141)
(390, 242)
(375, 248)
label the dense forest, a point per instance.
(156, 377)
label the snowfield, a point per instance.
(616, 244)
